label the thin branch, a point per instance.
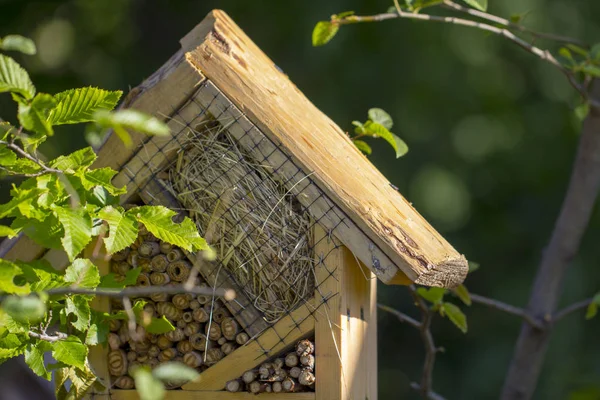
(48, 338)
(507, 308)
(509, 24)
(400, 315)
(580, 305)
(28, 156)
(227, 294)
(430, 395)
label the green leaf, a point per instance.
(323, 32)
(582, 111)
(98, 331)
(378, 130)
(342, 15)
(79, 159)
(101, 177)
(80, 307)
(20, 198)
(362, 146)
(462, 293)
(82, 273)
(18, 43)
(6, 129)
(33, 116)
(360, 127)
(77, 226)
(434, 295)
(455, 315)
(109, 281)
(34, 357)
(26, 309)
(148, 387)
(11, 345)
(158, 326)
(159, 221)
(47, 233)
(592, 309)
(8, 272)
(13, 78)
(123, 229)
(131, 119)
(82, 380)
(175, 372)
(79, 105)
(578, 50)
(591, 70)
(381, 117)
(401, 147)
(480, 5)
(70, 351)
(7, 231)
(473, 266)
(40, 275)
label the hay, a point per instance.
(249, 219)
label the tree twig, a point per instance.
(228, 294)
(24, 154)
(507, 308)
(400, 315)
(48, 338)
(580, 305)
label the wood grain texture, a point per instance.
(229, 59)
(213, 395)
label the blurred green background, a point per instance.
(491, 132)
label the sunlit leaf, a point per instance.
(381, 117)
(123, 228)
(13, 78)
(378, 130)
(124, 120)
(323, 32)
(79, 306)
(77, 226)
(79, 105)
(362, 146)
(34, 357)
(70, 351)
(33, 116)
(110, 281)
(8, 273)
(455, 315)
(82, 273)
(480, 5)
(78, 159)
(158, 326)
(148, 387)
(462, 293)
(434, 295)
(18, 43)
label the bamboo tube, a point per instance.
(192, 328)
(143, 280)
(117, 362)
(175, 255)
(164, 342)
(291, 360)
(124, 382)
(202, 299)
(192, 359)
(265, 371)
(159, 278)
(145, 264)
(249, 376)
(120, 267)
(154, 351)
(222, 340)
(179, 270)
(198, 341)
(150, 309)
(165, 247)
(114, 325)
(159, 263)
(278, 363)
(175, 335)
(114, 342)
(295, 372)
(290, 385)
(169, 310)
(132, 258)
(305, 347)
(167, 354)
(187, 317)
(228, 348)
(220, 314)
(159, 297)
(184, 346)
(258, 387)
(308, 362)
(181, 324)
(242, 338)
(148, 249)
(212, 306)
(214, 355)
(143, 358)
(141, 348)
(152, 338)
(306, 378)
(234, 386)
(194, 305)
(200, 315)
(181, 301)
(213, 331)
(277, 387)
(121, 255)
(131, 356)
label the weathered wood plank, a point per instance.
(228, 58)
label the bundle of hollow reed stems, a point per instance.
(258, 229)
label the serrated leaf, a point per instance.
(40, 275)
(34, 357)
(32, 116)
(13, 78)
(47, 233)
(20, 197)
(98, 331)
(82, 273)
(455, 315)
(8, 272)
(158, 326)
(434, 295)
(6, 129)
(77, 226)
(123, 228)
(79, 105)
(18, 43)
(175, 372)
(363, 146)
(7, 156)
(462, 293)
(480, 5)
(101, 177)
(82, 380)
(159, 221)
(131, 119)
(24, 309)
(148, 387)
(323, 32)
(70, 351)
(79, 306)
(381, 117)
(79, 159)
(12, 325)
(592, 308)
(11, 344)
(109, 280)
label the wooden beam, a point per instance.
(287, 331)
(191, 395)
(229, 59)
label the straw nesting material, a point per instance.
(249, 218)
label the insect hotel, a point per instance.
(302, 224)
